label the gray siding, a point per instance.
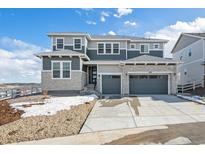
(75, 64)
(132, 54)
(184, 42)
(70, 48)
(92, 54)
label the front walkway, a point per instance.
(144, 110)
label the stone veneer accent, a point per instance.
(77, 81)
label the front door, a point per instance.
(92, 74)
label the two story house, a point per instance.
(115, 64)
(190, 50)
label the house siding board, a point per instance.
(151, 45)
(132, 53)
(92, 54)
(184, 42)
(75, 62)
(190, 64)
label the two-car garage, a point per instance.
(148, 84)
(138, 84)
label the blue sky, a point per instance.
(31, 25)
(23, 31)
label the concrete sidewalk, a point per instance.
(92, 138)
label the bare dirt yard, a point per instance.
(15, 128)
(194, 132)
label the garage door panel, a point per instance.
(148, 84)
(111, 84)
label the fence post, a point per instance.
(194, 85)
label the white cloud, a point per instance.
(111, 33)
(129, 23)
(17, 61)
(123, 12)
(172, 32)
(91, 22)
(103, 16)
(87, 9)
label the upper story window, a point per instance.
(132, 46)
(108, 48)
(116, 47)
(156, 46)
(77, 43)
(61, 69)
(59, 43)
(144, 48)
(100, 48)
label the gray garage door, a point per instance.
(111, 84)
(148, 84)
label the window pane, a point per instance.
(59, 40)
(66, 65)
(100, 50)
(77, 40)
(144, 48)
(56, 65)
(115, 50)
(115, 45)
(156, 46)
(56, 73)
(101, 45)
(59, 46)
(108, 48)
(66, 74)
(77, 43)
(66, 69)
(59, 43)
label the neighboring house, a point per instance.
(190, 50)
(115, 64)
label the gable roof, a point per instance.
(124, 37)
(106, 37)
(149, 59)
(193, 37)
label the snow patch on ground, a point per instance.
(197, 99)
(52, 105)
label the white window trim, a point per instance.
(134, 46)
(61, 69)
(104, 50)
(156, 44)
(57, 43)
(144, 52)
(80, 43)
(118, 48)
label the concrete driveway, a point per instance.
(140, 111)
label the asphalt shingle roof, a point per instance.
(197, 34)
(150, 59)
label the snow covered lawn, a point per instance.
(52, 105)
(197, 99)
